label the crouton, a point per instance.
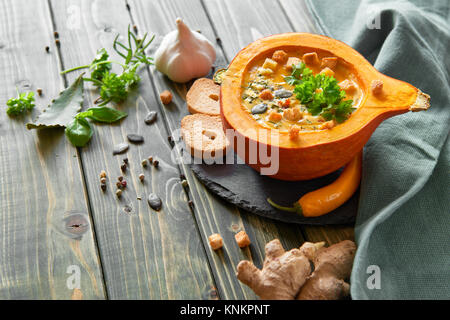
(270, 64)
(280, 56)
(265, 71)
(294, 132)
(242, 239)
(329, 62)
(215, 241)
(327, 71)
(347, 85)
(292, 61)
(377, 87)
(327, 125)
(166, 97)
(266, 94)
(311, 58)
(293, 114)
(275, 116)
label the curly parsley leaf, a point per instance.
(100, 65)
(115, 87)
(320, 94)
(17, 106)
(299, 72)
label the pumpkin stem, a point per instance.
(295, 209)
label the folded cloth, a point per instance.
(403, 223)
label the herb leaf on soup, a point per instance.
(320, 94)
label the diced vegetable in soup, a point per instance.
(300, 91)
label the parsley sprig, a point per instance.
(23, 102)
(115, 87)
(320, 93)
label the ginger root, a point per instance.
(282, 275)
(286, 275)
(332, 266)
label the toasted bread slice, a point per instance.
(203, 97)
(204, 136)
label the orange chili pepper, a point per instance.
(324, 200)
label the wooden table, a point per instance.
(55, 220)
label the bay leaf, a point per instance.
(63, 109)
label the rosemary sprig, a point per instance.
(134, 53)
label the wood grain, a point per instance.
(212, 214)
(240, 22)
(45, 225)
(145, 254)
(52, 211)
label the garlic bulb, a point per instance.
(184, 55)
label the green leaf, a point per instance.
(63, 109)
(104, 114)
(116, 87)
(320, 94)
(293, 81)
(79, 132)
(135, 51)
(100, 65)
(24, 102)
(130, 76)
(113, 88)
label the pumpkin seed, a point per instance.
(282, 93)
(151, 117)
(218, 76)
(135, 138)
(259, 108)
(120, 148)
(154, 201)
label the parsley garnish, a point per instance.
(100, 65)
(115, 87)
(24, 102)
(320, 93)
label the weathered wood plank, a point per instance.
(145, 254)
(238, 23)
(298, 15)
(212, 214)
(45, 226)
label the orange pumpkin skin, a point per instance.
(317, 153)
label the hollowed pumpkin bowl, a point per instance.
(314, 153)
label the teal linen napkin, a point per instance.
(403, 222)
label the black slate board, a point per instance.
(247, 189)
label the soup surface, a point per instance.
(270, 90)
